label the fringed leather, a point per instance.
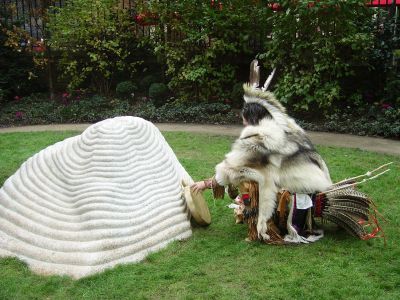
(232, 191)
(218, 190)
(251, 216)
(283, 203)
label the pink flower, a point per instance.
(19, 114)
(65, 95)
(17, 98)
(386, 106)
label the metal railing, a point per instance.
(28, 14)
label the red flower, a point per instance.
(146, 19)
(39, 47)
(275, 6)
(17, 98)
(138, 18)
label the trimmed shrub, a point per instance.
(158, 92)
(125, 89)
(95, 41)
(318, 50)
(147, 80)
(204, 64)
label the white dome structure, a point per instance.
(108, 196)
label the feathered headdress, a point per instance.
(254, 94)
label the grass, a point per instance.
(216, 262)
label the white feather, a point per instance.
(268, 81)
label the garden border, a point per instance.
(374, 144)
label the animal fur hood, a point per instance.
(269, 145)
(276, 153)
(277, 145)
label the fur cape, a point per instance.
(277, 154)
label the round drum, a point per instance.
(197, 206)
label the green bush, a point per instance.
(317, 48)
(385, 59)
(96, 42)
(35, 109)
(329, 54)
(205, 63)
(38, 109)
(237, 95)
(184, 112)
(376, 121)
(158, 92)
(125, 89)
(147, 81)
(19, 74)
(392, 89)
(93, 109)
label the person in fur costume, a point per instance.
(272, 150)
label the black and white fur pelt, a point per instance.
(276, 153)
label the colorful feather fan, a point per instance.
(349, 208)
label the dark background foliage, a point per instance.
(337, 62)
(18, 73)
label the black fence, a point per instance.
(28, 14)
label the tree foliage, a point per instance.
(19, 74)
(329, 54)
(214, 41)
(317, 47)
(95, 40)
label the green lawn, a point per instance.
(216, 262)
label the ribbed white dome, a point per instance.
(110, 195)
